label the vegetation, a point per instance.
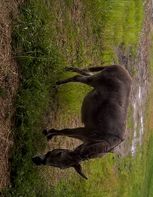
(49, 35)
(147, 185)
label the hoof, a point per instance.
(49, 133)
(58, 83)
(37, 160)
(50, 136)
(45, 132)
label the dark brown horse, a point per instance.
(104, 112)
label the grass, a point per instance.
(2, 92)
(147, 184)
(38, 59)
(147, 188)
(49, 35)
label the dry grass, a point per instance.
(8, 85)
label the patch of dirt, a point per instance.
(8, 85)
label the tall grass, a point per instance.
(39, 61)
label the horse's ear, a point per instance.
(78, 169)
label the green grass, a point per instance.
(47, 36)
(148, 180)
(148, 161)
(39, 61)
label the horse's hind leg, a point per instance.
(81, 71)
(80, 133)
(85, 71)
(78, 78)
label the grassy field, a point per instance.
(147, 186)
(49, 35)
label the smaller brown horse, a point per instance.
(104, 112)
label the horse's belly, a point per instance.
(102, 115)
(90, 109)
